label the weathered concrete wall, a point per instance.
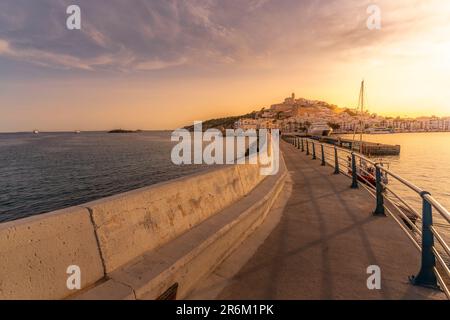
(193, 255)
(129, 224)
(35, 253)
(103, 235)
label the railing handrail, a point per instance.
(405, 182)
(439, 207)
(394, 175)
(346, 151)
(429, 274)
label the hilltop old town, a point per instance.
(296, 115)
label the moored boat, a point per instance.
(320, 129)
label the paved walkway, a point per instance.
(321, 247)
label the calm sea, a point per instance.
(49, 171)
(424, 160)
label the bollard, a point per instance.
(354, 173)
(307, 147)
(298, 143)
(323, 155)
(295, 142)
(379, 210)
(314, 151)
(426, 276)
(303, 146)
(336, 161)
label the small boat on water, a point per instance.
(35, 132)
(366, 172)
(319, 129)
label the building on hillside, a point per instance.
(293, 125)
(246, 124)
(267, 124)
(268, 114)
(287, 105)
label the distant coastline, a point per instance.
(388, 134)
(124, 131)
(81, 131)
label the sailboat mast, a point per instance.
(361, 116)
(359, 109)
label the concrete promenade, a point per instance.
(317, 243)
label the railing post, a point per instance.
(336, 161)
(307, 147)
(298, 143)
(354, 173)
(323, 155)
(295, 142)
(379, 210)
(303, 145)
(426, 276)
(314, 150)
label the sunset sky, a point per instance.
(153, 64)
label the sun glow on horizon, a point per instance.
(210, 60)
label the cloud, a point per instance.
(158, 64)
(127, 36)
(4, 47)
(147, 35)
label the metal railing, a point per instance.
(377, 179)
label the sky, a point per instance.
(152, 64)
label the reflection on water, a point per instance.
(49, 171)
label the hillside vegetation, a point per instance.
(222, 123)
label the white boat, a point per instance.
(320, 129)
(379, 131)
(35, 131)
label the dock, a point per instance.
(319, 247)
(365, 147)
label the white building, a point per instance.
(246, 124)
